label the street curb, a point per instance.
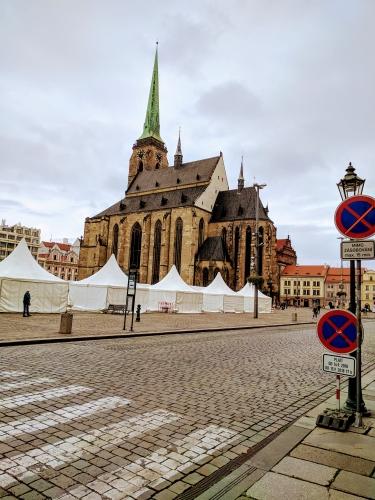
(54, 340)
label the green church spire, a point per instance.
(151, 127)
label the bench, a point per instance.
(116, 309)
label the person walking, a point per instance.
(315, 312)
(26, 304)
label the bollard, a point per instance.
(66, 321)
(294, 317)
(138, 316)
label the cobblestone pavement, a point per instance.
(14, 326)
(149, 417)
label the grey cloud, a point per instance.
(228, 101)
(287, 84)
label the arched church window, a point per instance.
(157, 166)
(135, 247)
(236, 253)
(140, 166)
(260, 250)
(247, 253)
(115, 240)
(156, 253)
(226, 276)
(201, 233)
(178, 244)
(224, 235)
(205, 276)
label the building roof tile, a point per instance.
(307, 271)
(170, 178)
(154, 201)
(237, 205)
(213, 248)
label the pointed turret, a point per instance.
(151, 126)
(149, 151)
(178, 157)
(241, 180)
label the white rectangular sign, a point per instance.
(343, 365)
(358, 250)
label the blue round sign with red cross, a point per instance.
(337, 331)
(355, 217)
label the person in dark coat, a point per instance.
(26, 304)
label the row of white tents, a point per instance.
(20, 272)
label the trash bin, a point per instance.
(66, 322)
(294, 317)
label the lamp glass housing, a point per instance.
(350, 184)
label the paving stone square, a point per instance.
(142, 418)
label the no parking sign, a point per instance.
(337, 331)
(355, 217)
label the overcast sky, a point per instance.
(287, 84)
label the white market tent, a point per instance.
(218, 297)
(264, 302)
(107, 286)
(173, 289)
(20, 272)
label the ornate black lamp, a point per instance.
(350, 184)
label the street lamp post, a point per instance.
(351, 185)
(257, 188)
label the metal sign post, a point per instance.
(358, 413)
(130, 295)
(337, 331)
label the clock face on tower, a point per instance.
(141, 154)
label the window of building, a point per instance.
(260, 251)
(306, 292)
(114, 240)
(224, 235)
(156, 253)
(236, 253)
(55, 257)
(201, 233)
(205, 276)
(247, 253)
(178, 244)
(367, 287)
(135, 247)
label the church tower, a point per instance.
(149, 151)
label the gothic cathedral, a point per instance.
(182, 214)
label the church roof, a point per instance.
(194, 172)
(237, 205)
(213, 248)
(154, 201)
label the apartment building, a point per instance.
(60, 259)
(10, 236)
(337, 287)
(303, 285)
(368, 288)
